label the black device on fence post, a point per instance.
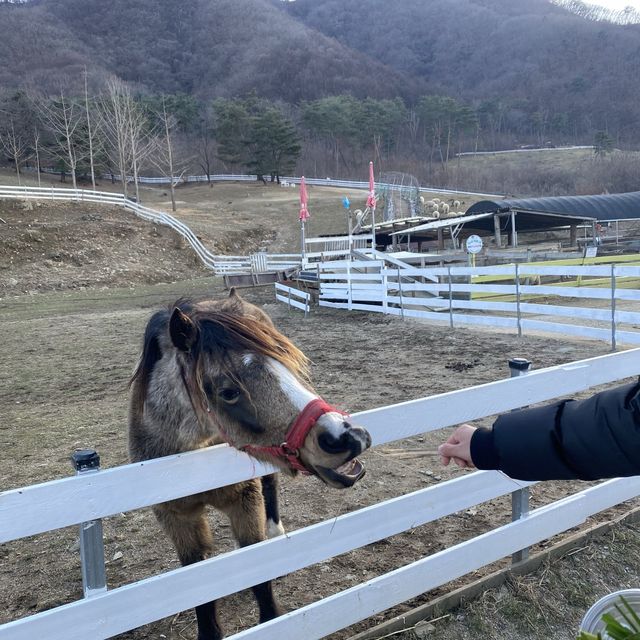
(519, 498)
(94, 580)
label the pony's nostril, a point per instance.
(329, 443)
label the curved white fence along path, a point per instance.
(31, 510)
(292, 181)
(219, 264)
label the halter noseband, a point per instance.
(289, 450)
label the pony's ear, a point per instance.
(182, 330)
(234, 294)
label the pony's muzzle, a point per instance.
(337, 448)
(352, 440)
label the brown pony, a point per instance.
(218, 371)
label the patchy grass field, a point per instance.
(529, 159)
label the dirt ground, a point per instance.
(72, 334)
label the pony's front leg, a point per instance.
(270, 486)
(186, 525)
(244, 504)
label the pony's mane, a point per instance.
(225, 330)
(218, 332)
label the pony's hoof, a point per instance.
(274, 529)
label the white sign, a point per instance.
(590, 252)
(474, 244)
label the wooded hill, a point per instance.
(208, 48)
(528, 60)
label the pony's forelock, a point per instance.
(224, 330)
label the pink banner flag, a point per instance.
(304, 200)
(371, 199)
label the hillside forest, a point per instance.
(314, 87)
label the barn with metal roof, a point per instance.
(604, 208)
(535, 214)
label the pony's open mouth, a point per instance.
(346, 475)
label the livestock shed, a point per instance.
(537, 214)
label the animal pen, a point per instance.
(89, 497)
(521, 297)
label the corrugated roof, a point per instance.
(617, 206)
(525, 221)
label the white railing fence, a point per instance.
(450, 295)
(69, 501)
(332, 247)
(288, 181)
(293, 297)
(219, 264)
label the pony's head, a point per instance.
(248, 383)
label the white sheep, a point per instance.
(456, 204)
(443, 207)
(436, 200)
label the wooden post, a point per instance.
(496, 231)
(450, 299)
(384, 287)
(514, 233)
(400, 291)
(441, 239)
(350, 292)
(573, 235)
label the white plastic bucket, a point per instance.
(592, 621)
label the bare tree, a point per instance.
(89, 131)
(36, 151)
(64, 116)
(127, 132)
(14, 145)
(163, 156)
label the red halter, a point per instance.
(290, 448)
(294, 438)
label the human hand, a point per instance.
(458, 447)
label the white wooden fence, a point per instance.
(332, 247)
(39, 508)
(293, 297)
(293, 180)
(446, 294)
(219, 264)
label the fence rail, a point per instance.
(219, 264)
(450, 294)
(31, 510)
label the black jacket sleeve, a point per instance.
(572, 439)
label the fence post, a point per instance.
(518, 316)
(94, 579)
(384, 284)
(520, 497)
(400, 291)
(450, 299)
(613, 307)
(350, 285)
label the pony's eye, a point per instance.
(229, 395)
